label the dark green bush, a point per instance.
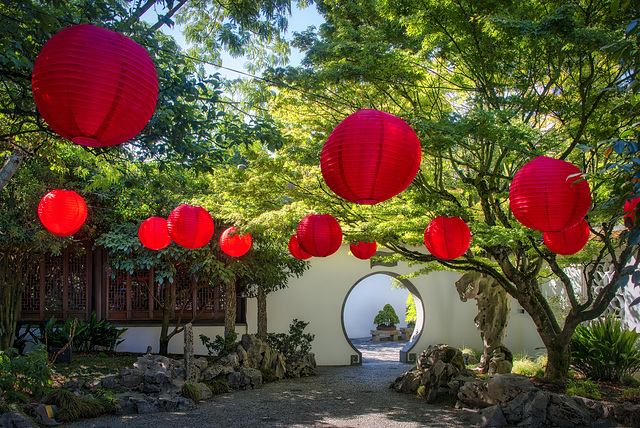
(27, 373)
(72, 408)
(604, 350)
(218, 386)
(220, 345)
(295, 345)
(387, 316)
(189, 390)
(268, 375)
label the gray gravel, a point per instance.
(343, 396)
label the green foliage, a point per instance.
(603, 350)
(421, 391)
(218, 385)
(387, 316)
(190, 390)
(27, 373)
(583, 388)
(87, 335)
(411, 311)
(108, 400)
(524, 365)
(72, 408)
(221, 345)
(295, 345)
(20, 397)
(268, 374)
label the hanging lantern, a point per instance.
(234, 244)
(94, 86)
(545, 195)
(370, 157)
(153, 233)
(568, 241)
(62, 212)
(190, 226)
(319, 235)
(630, 210)
(296, 251)
(363, 250)
(447, 237)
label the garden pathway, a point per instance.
(339, 396)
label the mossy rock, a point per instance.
(190, 390)
(218, 386)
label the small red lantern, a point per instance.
(234, 244)
(190, 226)
(364, 250)
(94, 86)
(153, 233)
(447, 237)
(62, 212)
(319, 235)
(568, 241)
(630, 210)
(296, 251)
(545, 195)
(370, 157)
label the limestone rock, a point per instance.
(407, 383)
(627, 414)
(15, 420)
(505, 387)
(131, 378)
(110, 382)
(205, 392)
(493, 417)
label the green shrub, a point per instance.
(27, 373)
(268, 375)
(12, 396)
(630, 381)
(387, 316)
(295, 345)
(526, 366)
(583, 388)
(108, 400)
(604, 350)
(72, 408)
(191, 391)
(218, 386)
(421, 391)
(220, 345)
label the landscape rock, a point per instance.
(205, 392)
(110, 382)
(493, 417)
(505, 387)
(15, 420)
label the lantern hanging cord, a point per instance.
(274, 82)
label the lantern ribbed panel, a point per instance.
(153, 233)
(190, 226)
(234, 245)
(630, 211)
(94, 86)
(363, 250)
(319, 235)
(568, 241)
(370, 157)
(447, 237)
(296, 251)
(544, 197)
(62, 212)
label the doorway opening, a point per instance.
(362, 303)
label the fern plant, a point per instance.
(604, 350)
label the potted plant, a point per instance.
(386, 318)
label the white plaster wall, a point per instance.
(367, 299)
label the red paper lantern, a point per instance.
(370, 157)
(319, 235)
(190, 226)
(296, 251)
(94, 86)
(544, 195)
(447, 237)
(234, 244)
(62, 212)
(364, 250)
(568, 241)
(153, 233)
(630, 210)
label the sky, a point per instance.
(299, 21)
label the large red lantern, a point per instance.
(62, 212)
(447, 237)
(190, 226)
(319, 235)
(234, 244)
(363, 250)
(545, 195)
(94, 86)
(153, 233)
(630, 211)
(568, 241)
(296, 251)
(370, 157)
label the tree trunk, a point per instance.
(558, 360)
(166, 320)
(230, 307)
(262, 313)
(11, 166)
(15, 266)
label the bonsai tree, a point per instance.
(386, 317)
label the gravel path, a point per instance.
(339, 396)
